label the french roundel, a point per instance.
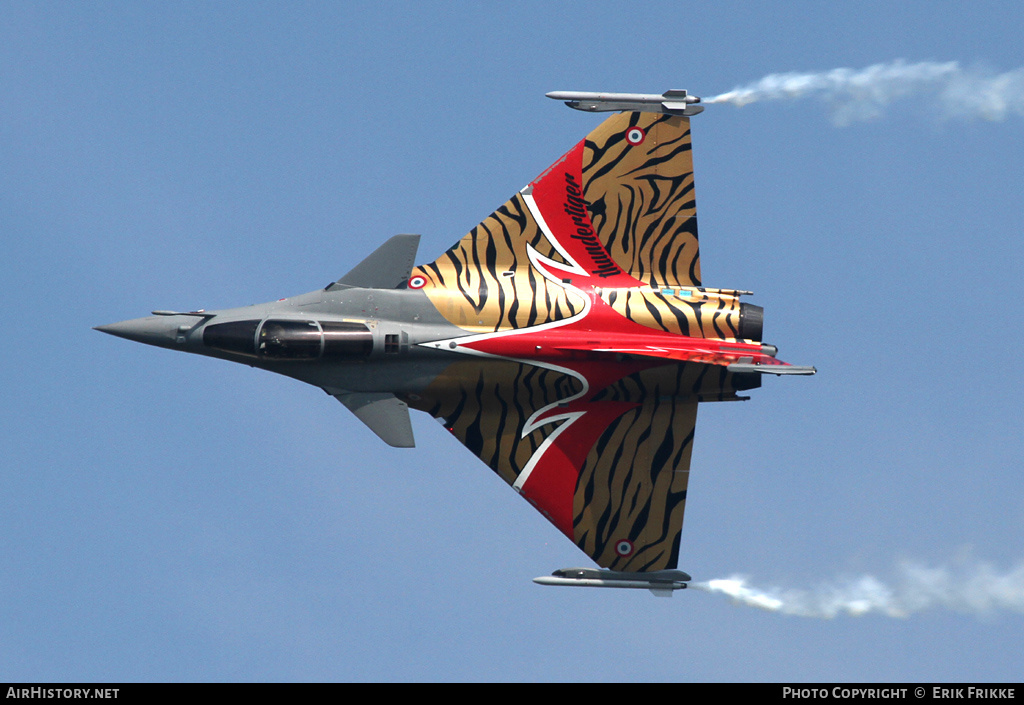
(624, 547)
(635, 135)
(417, 282)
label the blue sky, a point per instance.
(170, 517)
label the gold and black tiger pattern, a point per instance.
(485, 282)
(641, 197)
(641, 202)
(633, 484)
(630, 496)
(686, 381)
(687, 312)
(486, 404)
(633, 487)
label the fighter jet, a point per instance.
(567, 341)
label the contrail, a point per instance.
(977, 589)
(863, 94)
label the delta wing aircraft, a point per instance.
(567, 340)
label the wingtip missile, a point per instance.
(659, 582)
(672, 102)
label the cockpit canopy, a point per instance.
(284, 339)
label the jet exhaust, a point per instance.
(978, 589)
(863, 94)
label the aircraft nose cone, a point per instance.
(163, 331)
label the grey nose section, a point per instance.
(162, 331)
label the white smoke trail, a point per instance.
(951, 91)
(978, 589)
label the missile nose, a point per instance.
(162, 331)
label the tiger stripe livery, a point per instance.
(634, 481)
(633, 487)
(698, 315)
(640, 201)
(566, 340)
(571, 297)
(641, 197)
(486, 405)
(486, 281)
